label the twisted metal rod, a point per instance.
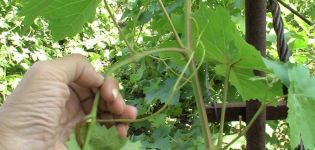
(282, 46)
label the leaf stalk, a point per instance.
(224, 102)
(195, 82)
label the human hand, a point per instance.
(52, 98)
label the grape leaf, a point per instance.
(72, 143)
(132, 146)
(216, 33)
(65, 17)
(251, 87)
(101, 138)
(279, 69)
(175, 57)
(301, 103)
(163, 92)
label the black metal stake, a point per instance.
(255, 18)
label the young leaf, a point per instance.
(301, 103)
(65, 17)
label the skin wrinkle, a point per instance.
(39, 130)
(42, 111)
(6, 140)
(38, 110)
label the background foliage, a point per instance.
(148, 83)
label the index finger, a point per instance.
(74, 68)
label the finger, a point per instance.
(117, 107)
(129, 112)
(73, 68)
(84, 95)
(103, 107)
(109, 90)
(122, 130)
(73, 112)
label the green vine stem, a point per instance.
(195, 82)
(130, 47)
(91, 119)
(178, 40)
(168, 67)
(198, 67)
(224, 102)
(144, 54)
(261, 108)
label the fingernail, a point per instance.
(115, 93)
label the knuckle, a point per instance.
(79, 57)
(39, 67)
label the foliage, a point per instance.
(301, 101)
(65, 18)
(100, 139)
(148, 83)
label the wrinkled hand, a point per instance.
(52, 98)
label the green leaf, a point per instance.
(163, 92)
(301, 103)
(132, 146)
(103, 138)
(279, 69)
(230, 49)
(161, 138)
(65, 17)
(175, 57)
(178, 21)
(72, 143)
(159, 120)
(250, 86)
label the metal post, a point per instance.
(255, 17)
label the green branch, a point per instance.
(91, 119)
(169, 67)
(179, 42)
(225, 93)
(195, 82)
(198, 66)
(144, 54)
(117, 26)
